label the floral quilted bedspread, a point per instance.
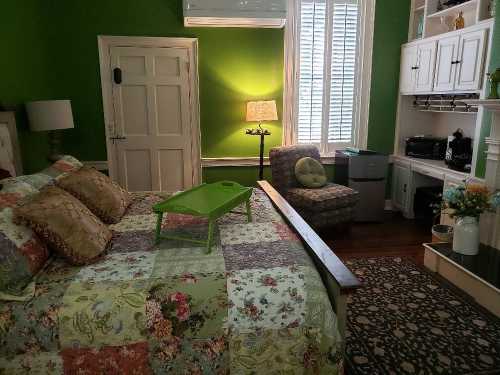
(255, 305)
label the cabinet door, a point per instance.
(408, 69)
(400, 187)
(446, 66)
(470, 61)
(426, 63)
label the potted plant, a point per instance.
(466, 203)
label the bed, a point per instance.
(268, 299)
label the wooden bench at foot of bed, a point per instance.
(338, 279)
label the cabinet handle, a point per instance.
(117, 76)
(415, 67)
(455, 62)
(404, 188)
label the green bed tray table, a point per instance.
(207, 200)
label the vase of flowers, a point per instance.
(466, 203)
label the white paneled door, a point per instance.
(153, 140)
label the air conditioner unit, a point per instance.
(235, 13)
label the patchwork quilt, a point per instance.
(255, 305)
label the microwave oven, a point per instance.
(426, 147)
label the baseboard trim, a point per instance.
(250, 161)
(232, 162)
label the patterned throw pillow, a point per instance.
(22, 254)
(65, 224)
(39, 180)
(104, 197)
(60, 168)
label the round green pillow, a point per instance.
(310, 173)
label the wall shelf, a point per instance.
(490, 104)
(425, 15)
(464, 7)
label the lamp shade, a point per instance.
(262, 111)
(48, 115)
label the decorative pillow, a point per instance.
(22, 255)
(310, 173)
(64, 165)
(65, 224)
(105, 198)
(39, 180)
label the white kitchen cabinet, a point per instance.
(408, 69)
(446, 67)
(401, 186)
(426, 61)
(417, 67)
(470, 61)
(449, 63)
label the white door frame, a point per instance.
(191, 44)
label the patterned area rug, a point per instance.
(406, 320)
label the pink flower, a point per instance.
(178, 297)
(183, 312)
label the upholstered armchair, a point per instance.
(327, 206)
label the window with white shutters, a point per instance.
(327, 66)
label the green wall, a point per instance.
(24, 68)
(235, 65)
(53, 54)
(391, 31)
(494, 64)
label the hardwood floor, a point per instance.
(396, 236)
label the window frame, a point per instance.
(362, 85)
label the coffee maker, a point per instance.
(459, 153)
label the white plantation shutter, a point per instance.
(343, 81)
(311, 61)
(327, 80)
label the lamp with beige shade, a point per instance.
(51, 116)
(259, 111)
